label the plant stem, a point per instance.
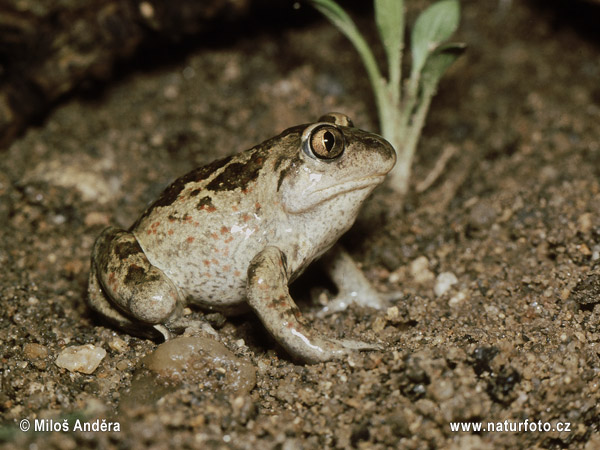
(400, 175)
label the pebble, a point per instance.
(204, 361)
(80, 175)
(457, 299)
(585, 223)
(96, 218)
(482, 215)
(444, 282)
(81, 358)
(117, 344)
(34, 351)
(419, 269)
(392, 313)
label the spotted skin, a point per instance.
(236, 232)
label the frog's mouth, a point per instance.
(349, 186)
(316, 197)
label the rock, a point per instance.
(419, 269)
(34, 351)
(81, 358)
(203, 361)
(444, 282)
(482, 215)
(585, 223)
(587, 291)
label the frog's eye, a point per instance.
(326, 142)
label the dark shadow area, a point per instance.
(580, 15)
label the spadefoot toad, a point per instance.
(236, 232)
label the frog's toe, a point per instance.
(367, 297)
(336, 349)
(166, 333)
(188, 327)
(191, 327)
(358, 345)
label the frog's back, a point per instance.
(207, 226)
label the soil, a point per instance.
(514, 220)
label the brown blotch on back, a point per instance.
(171, 193)
(125, 249)
(238, 175)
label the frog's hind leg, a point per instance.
(127, 290)
(269, 297)
(101, 305)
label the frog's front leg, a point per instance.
(127, 290)
(269, 297)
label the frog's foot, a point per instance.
(268, 296)
(183, 325)
(351, 344)
(126, 289)
(353, 286)
(166, 333)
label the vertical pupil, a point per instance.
(328, 140)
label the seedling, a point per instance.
(401, 111)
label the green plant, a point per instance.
(402, 112)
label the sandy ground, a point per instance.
(514, 217)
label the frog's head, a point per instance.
(335, 168)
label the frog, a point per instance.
(229, 237)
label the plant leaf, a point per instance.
(389, 16)
(433, 26)
(439, 61)
(336, 15)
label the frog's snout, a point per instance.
(383, 152)
(390, 153)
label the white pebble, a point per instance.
(419, 269)
(444, 282)
(117, 344)
(457, 299)
(81, 358)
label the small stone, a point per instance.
(96, 218)
(482, 215)
(157, 139)
(444, 282)
(379, 324)
(34, 351)
(124, 364)
(470, 442)
(457, 299)
(584, 223)
(584, 250)
(392, 314)
(81, 358)
(587, 291)
(593, 443)
(146, 10)
(443, 390)
(419, 269)
(118, 345)
(171, 92)
(203, 361)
